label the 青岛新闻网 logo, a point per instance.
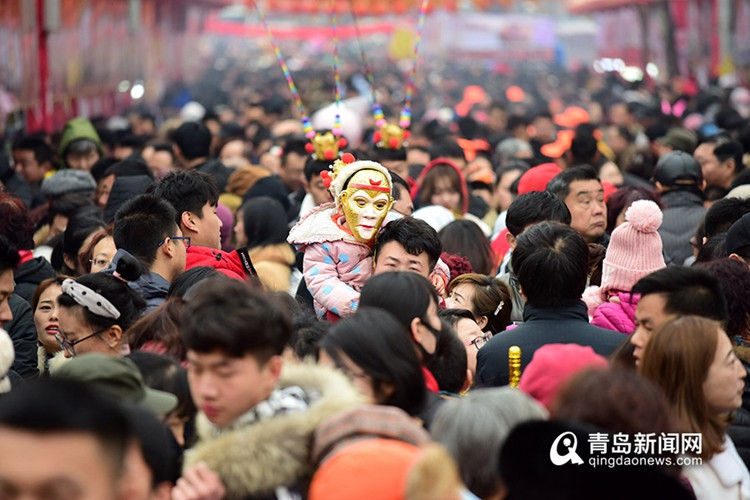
(570, 443)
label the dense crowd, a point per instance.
(541, 289)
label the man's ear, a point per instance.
(187, 221)
(274, 366)
(731, 165)
(511, 240)
(167, 248)
(659, 186)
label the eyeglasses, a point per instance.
(69, 345)
(103, 263)
(185, 239)
(479, 341)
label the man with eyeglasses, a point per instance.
(145, 227)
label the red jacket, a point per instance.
(228, 263)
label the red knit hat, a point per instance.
(552, 366)
(537, 178)
(635, 248)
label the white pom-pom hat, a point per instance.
(635, 248)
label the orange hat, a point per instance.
(474, 94)
(375, 468)
(537, 178)
(560, 146)
(572, 117)
(472, 146)
(515, 94)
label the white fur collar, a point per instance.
(317, 226)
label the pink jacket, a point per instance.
(618, 314)
(335, 265)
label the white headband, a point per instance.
(86, 297)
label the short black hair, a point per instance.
(68, 204)
(129, 167)
(533, 207)
(686, 290)
(165, 374)
(415, 235)
(187, 191)
(560, 184)
(376, 342)
(726, 148)
(453, 316)
(551, 263)
(449, 364)
(314, 167)
(190, 277)
(42, 151)
(399, 186)
(386, 154)
(293, 144)
(515, 121)
(193, 139)
(53, 405)
(405, 295)
(583, 148)
(9, 257)
(227, 315)
(723, 214)
(513, 164)
(546, 115)
(141, 224)
(625, 133)
(714, 248)
(447, 148)
(161, 146)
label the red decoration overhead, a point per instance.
(375, 8)
(588, 6)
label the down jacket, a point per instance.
(274, 454)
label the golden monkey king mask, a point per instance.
(365, 202)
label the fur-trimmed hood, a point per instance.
(255, 460)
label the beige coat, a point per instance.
(255, 460)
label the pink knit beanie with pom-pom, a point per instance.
(635, 248)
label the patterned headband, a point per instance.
(86, 297)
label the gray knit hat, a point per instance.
(68, 181)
